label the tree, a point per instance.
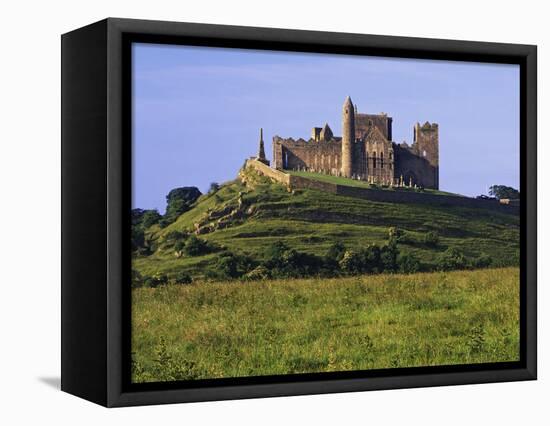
(214, 187)
(371, 258)
(286, 262)
(195, 246)
(503, 191)
(138, 238)
(388, 257)
(149, 218)
(336, 251)
(275, 252)
(451, 259)
(178, 201)
(351, 262)
(136, 216)
(408, 263)
(228, 266)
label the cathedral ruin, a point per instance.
(365, 151)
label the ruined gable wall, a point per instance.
(381, 121)
(320, 156)
(410, 165)
(380, 160)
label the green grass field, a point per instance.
(214, 330)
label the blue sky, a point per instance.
(197, 111)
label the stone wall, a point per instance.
(410, 197)
(269, 172)
(386, 196)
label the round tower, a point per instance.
(348, 137)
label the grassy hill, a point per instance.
(246, 218)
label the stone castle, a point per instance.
(365, 151)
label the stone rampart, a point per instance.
(386, 196)
(270, 172)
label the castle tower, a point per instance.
(426, 144)
(348, 137)
(261, 150)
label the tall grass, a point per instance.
(214, 330)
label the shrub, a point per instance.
(137, 279)
(336, 251)
(258, 273)
(183, 278)
(476, 339)
(276, 250)
(483, 261)
(156, 280)
(394, 234)
(285, 262)
(229, 266)
(195, 246)
(175, 236)
(408, 263)
(371, 258)
(179, 246)
(451, 259)
(431, 238)
(388, 257)
(351, 262)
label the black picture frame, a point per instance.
(96, 142)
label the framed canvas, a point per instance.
(240, 220)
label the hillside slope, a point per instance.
(248, 215)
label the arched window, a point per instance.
(381, 160)
(374, 160)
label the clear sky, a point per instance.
(197, 111)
